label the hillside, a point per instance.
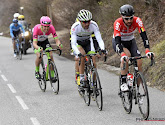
(105, 12)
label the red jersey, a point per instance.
(127, 33)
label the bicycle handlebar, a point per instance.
(136, 58)
(49, 50)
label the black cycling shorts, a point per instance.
(44, 44)
(130, 45)
(16, 33)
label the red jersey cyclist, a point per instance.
(124, 42)
(40, 40)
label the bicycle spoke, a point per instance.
(53, 76)
(42, 81)
(97, 90)
(142, 96)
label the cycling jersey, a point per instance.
(39, 35)
(78, 33)
(14, 28)
(127, 33)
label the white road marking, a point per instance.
(4, 78)
(34, 121)
(11, 88)
(20, 100)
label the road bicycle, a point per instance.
(19, 49)
(137, 88)
(49, 72)
(92, 83)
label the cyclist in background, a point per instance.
(16, 15)
(81, 40)
(124, 42)
(40, 40)
(15, 31)
(21, 20)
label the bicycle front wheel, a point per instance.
(53, 77)
(126, 98)
(42, 81)
(142, 96)
(97, 89)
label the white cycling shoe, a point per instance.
(124, 87)
(15, 55)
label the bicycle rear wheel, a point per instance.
(126, 98)
(142, 96)
(20, 53)
(97, 89)
(54, 80)
(42, 81)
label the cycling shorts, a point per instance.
(44, 44)
(130, 45)
(16, 33)
(87, 45)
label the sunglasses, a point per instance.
(128, 18)
(44, 22)
(86, 21)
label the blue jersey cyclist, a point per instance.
(14, 32)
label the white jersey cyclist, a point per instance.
(81, 35)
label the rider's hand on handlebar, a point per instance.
(149, 54)
(60, 46)
(123, 56)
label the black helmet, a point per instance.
(126, 10)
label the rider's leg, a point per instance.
(82, 65)
(124, 72)
(37, 61)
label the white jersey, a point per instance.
(78, 33)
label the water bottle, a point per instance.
(45, 67)
(130, 79)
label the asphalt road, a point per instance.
(23, 103)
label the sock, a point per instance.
(81, 77)
(37, 68)
(77, 74)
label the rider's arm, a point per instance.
(74, 40)
(11, 31)
(22, 28)
(117, 36)
(98, 37)
(35, 37)
(142, 32)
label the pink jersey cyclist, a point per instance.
(39, 35)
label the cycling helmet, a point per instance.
(84, 15)
(126, 10)
(45, 21)
(15, 21)
(16, 15)
(21, 17)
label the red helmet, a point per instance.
(45, 21)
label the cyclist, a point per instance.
(21, 20)
(81, 40)
(124, 42)
(16, 15)
(96, 46)
(15, 31)
(40, 40)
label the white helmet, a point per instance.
(16, 15)
(84, 15)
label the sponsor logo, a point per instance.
(140, 23)
(117, 27)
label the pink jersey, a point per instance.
(39, 35)
(127, 33)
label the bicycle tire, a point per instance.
(126, 98)
(42, 81)
(86, 92)
(142, 92)
(20, 53)
(55, 84)
(97, 89)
